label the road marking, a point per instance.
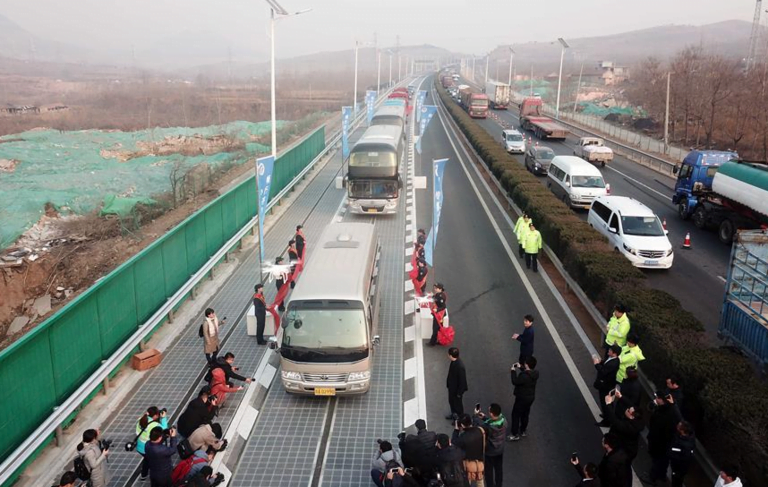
(722, 278)
(410, 306)
(409, 333)
(409, 370)
(247, 422)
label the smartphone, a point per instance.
(224, 319)
(393, 470)
(477, 407)
(574, 456)
(612, 393)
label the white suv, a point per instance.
(632, 229)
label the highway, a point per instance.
(705, 263)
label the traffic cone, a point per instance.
(664, 223)
(687, 241)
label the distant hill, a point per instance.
(197, 48)
(18, 43)
(729, 38)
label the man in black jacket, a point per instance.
(159, 457)
(526, 339)
(471, 440)
(456, 382)
(631, 392)
(419, 451)
(661, 431)
(627, 429)
(260, 309)
(199, 411)
(588, 473)
(612, 470)
(525, 393)
(225, 363)
(681, 452)
(450, 463)
(606, 377)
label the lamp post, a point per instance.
(354, 101)
(389, 51)
(511, 60)
(487, 62)
(666, 115)
(277, 12)
(560, 76)
(378, 71)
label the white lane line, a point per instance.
(330, 435)
(570, 364)
(722, 278)
(247, 422)
(410, 306)
(409, 251)
(411, 412)
(409, 334)
(409, 370)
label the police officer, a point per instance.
(439, 302)
(300, 241)
(260, 307)
(521, 228)
(618, 328)
(532, 244)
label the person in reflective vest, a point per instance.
(521, 228)
(630, 355)
(439, 302)
(260, 308)
(300, 241)
(532, 244)
(618, 328)
(420, 281)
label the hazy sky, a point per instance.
(460, 25)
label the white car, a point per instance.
(513, 141)
(632, 229)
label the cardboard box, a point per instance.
(147, 359)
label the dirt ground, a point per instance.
(92, 247)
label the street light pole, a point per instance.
(354, 99)
(560, 76)
(511, 60)
(487, 62)
(666, 115)
(378, 71)
(390, 68)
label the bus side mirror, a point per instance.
(272, 343)
(675, 170)
(376, 340)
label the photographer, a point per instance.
(153, 418)
(588, 473)
(230, 371)
(199, 411)
(205, 478)
(626, 428)
(661, 431)
(385, 455)
(158, 457)
(524, 378)
(207, 436)
(94, 457)
(471, 439)
(419, 450)
(494, 425)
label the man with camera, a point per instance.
(205, 478)
(661, 431)
(199, 411)
(524, 378)
(495, 426)
(93, 453)
(471, 439)
(386, 458)
(159, 456)
(419, 450)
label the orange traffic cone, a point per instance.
(687, 241)
(664, 223)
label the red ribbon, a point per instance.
(285, 288)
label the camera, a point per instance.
(217, 479)
(105, 444)
(130, 446)
(164, 410)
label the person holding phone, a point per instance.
(626, 428)
(606, 378)
(587, 472)
(524, 378)
(210, 329)
(526, 339)
(385, 459)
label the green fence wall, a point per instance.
(47, 365)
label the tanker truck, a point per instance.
(718, 191)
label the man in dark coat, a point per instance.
(612, 470)
(199, 411)
(661, 431)
(159, 457)
(419, 451)
(606, 377)
(526, 339)
(260, 308)
(631, 392)
(471, 440)
(226, 364)
(300, 241)
(456, 382)
(681, 452)
(524, 378)
(627, 429)
(450, 463)
(588, 473)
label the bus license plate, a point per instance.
(372, 210)
(325, 391)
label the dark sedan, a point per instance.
(537, 159)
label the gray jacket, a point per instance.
(95, 460)
(380, 459)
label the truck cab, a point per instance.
(694, 178)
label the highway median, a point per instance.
(725, 400)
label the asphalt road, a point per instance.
(705, 264)
(486, 301)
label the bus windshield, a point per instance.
(373, 159)
(372, 189)
(325, 328)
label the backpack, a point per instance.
(200, 332)
(81, 469)
(185, 449)
(183, 468)
(452, 473)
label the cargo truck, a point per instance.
(446, 80)
(718, 191)
(498, 95)
(476, 104)
(543, 127)
(593, 149)
(744, 317)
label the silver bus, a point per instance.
(330, 322)
(373, 177)
(390, 115)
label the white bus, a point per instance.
(330, 322)
(373, 177)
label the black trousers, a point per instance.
(261, 321)
(279, 283)
(659, 466)
(435, 329)
(679, 470)
(456, 401)
(160, 482)
(532, 259)
(520, 412)
(211, 357)
(494, 473)
(520, 250)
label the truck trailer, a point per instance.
(476, 104)
(542, 126)
(498, 95)
(720, 192)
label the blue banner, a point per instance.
(427, 112)
(346, 119)
(420, 98)
(264, 167)
(438, 169)
(370, 104)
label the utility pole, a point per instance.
(578, 87)
(511, 60)
(666, 115)
(487, 62)
(397, 47)
(754, 36)
(560, 76)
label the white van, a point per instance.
(575, 181)
(632, 229)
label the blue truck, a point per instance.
(744, 317)
(718, 191)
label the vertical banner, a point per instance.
(421, 96)
(438, 169)
(370, 104)
(264, 168)
(346, 118)
(427, 112)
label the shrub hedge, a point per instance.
(723, 397)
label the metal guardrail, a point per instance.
(40, 436)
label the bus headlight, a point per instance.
(359, 375)
(290, 375)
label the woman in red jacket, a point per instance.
(219, 386)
